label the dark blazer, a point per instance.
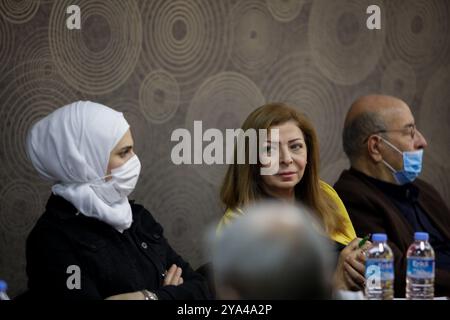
(110, 262)
(371, 211)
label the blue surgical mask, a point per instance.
(412, 165)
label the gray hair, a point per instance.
(358, 130)
(274, 251)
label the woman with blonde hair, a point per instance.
(297, 179)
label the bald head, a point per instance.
(367, 115)
(382, 105)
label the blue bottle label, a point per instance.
(378, 270)
(422, 268)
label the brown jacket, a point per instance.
(371, 211)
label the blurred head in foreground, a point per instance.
(274, 251)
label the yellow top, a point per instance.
(343, 238)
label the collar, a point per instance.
(61, 207)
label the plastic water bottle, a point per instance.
(3, 288)
(420, 268)
(379, 269)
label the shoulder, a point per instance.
(348, 233)
(232, 214)
(362, 198)
(143, 219)
(50, 226)
(140, 212)
(50, 234)
(328, 189)
(332, 194)
(353, 186)
(228, 217)
(348, 180)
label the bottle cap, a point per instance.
(379, 237)
(421, 236)
(3, 285)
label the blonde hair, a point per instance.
(243, 184)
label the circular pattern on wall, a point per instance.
(256, 37)
(159, 96)
(101, 56)
(285, 10)
(183, 203)
(7, 40)
(20, 205)
(296, 81)
(418, 32)
(188, 39)
(33, 58)
(18, 11)
(435, 114)
(21, 105)
(223, 102)
(399, 80)
(343, 48)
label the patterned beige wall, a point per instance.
(167, 63)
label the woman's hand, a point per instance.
(355, 266)
(173, 276)
(138, 295)
(349, 274)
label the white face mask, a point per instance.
(122, 183)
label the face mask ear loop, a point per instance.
(389, 166)
(391, 145)
(97, 179)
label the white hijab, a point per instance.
(71, 147)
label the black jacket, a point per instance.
(110, 262)
(371, 211)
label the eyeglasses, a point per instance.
(410, 129)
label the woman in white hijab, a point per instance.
(92, 242)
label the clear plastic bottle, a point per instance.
(3, 288)
(420, 268)
(379, 269)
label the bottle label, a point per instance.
(422, 268)
(378, 271)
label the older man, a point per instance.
(380, 190)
